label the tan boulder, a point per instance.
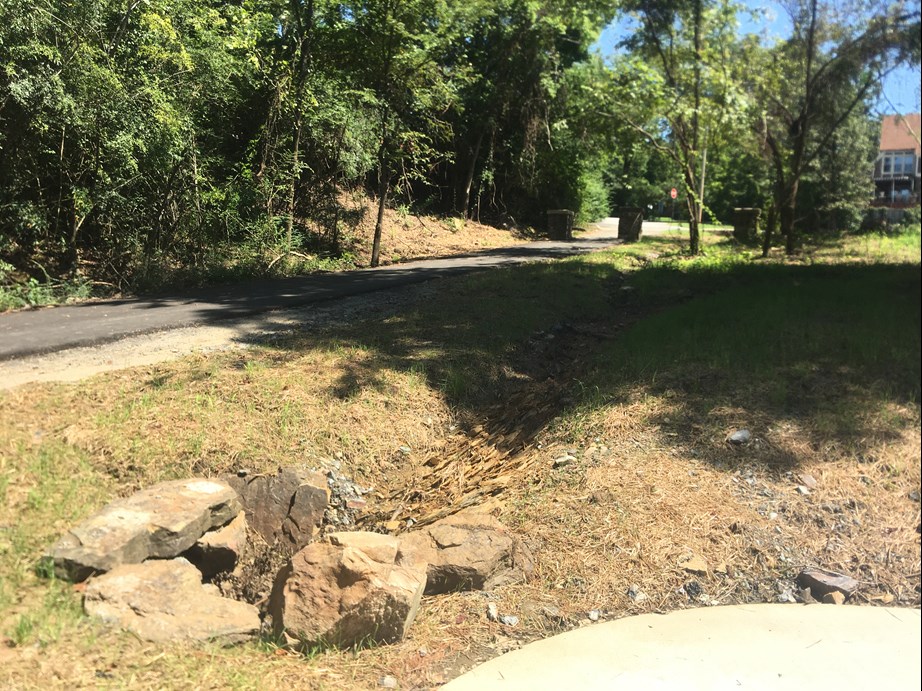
(161, 521)
(164, 600)
(467, 551)
(348, 593)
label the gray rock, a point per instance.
(219, 551)
(387, 682)
(492, 612)
(821, 582)
(339, 594)
(509, 620)
(162, 521)
(467, 551)
(594, 614)
(740, 437)
(164, 600)
(285, 509)
(636, 594)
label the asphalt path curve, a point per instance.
(34, 332)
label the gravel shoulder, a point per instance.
(75, 364)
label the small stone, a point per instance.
(636, 594)
(393, 526)
(387, 682)
(696, 564)
(405, 450)
(914, 496)
(822, 581)
(563, 461)
(786, 596)
(740, 437)
(356, 504)
(803, 490)
(806, 596)
(693, 589)
(594, 615)
(834, 598)
(509, 620)
(772, 515)
(808, 481)
(492, 612)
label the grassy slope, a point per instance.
(819, 358)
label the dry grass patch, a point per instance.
(520, 362)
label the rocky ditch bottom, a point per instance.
(240, 556)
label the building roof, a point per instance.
(901, 132)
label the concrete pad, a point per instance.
(812, 647)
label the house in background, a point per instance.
(897, 170)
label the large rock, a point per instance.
(219, 551)
(346, 594)
(164, 600)
(286, 509)
(161, 521)
(467, 551)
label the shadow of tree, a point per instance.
(822, 349)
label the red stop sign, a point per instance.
(673, 193)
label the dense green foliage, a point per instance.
(141, 138)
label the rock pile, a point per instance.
(155, 561)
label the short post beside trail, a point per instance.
(560, 224)
(630, 223)
(746, 224)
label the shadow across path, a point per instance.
(35, 332)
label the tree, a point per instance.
(682, 68)
(811, 84)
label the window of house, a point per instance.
(898, 164)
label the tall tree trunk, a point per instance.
(383, 188)
(469, 178)
(694, 212)
(695, 206)
(295, 175)
(770, 223)
(787, 211)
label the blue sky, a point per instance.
(901, 88)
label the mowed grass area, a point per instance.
(819, 357)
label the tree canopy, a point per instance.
(136, 135)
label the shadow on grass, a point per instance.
(825, 347)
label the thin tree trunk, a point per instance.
(770, 223)
(694, 213)
(383, 188)
(295, 175)
(469, 178)
(787, 212)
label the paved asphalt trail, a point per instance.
(48, 330)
